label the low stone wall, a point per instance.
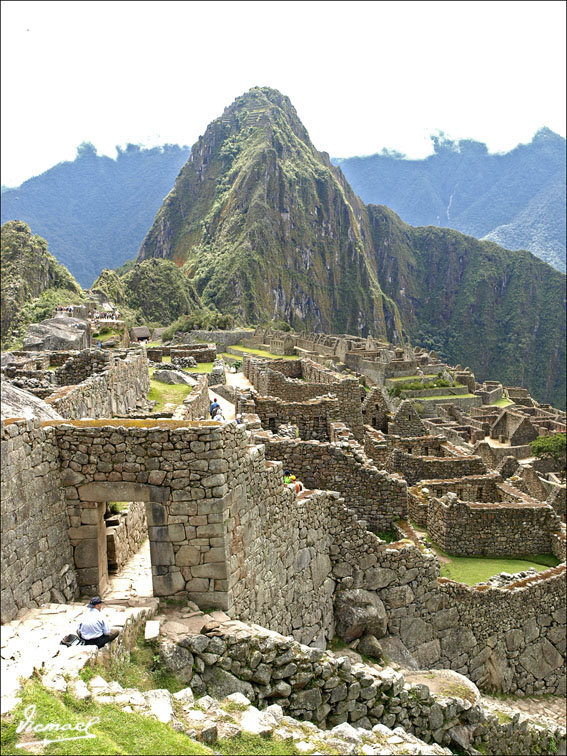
(499, 529)
(200, 352)
(37, 560)
(81, 366)
(377, 497)
(315, 686)
(311, 417)
(414, 468)
(220, 338)
(115, 391)
(196, 405)
(493, 455)
(124, 538)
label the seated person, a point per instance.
(287, 477)
(218, 416)
(297, 485)
(94, 629)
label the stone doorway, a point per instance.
(92, 555)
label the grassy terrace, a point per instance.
(502, 403)
(262, 353)
(444, 396)
(472, 570)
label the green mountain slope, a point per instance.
(501, 312)
(95, 210)
(516, 198)
(265, 227)
(32, 280)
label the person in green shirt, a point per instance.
(287, 477)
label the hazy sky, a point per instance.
(362, 75)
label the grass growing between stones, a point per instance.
(165, 393)
(202, 367)
(250, 745)
(116, 732)
(141, 671)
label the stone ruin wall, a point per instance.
(312, 418)
(124, 539)
(82, 365)
(497, 529)
(116, 391)
(272, 378)
(196, 405)
(280, 570)
(315, 686)
(378, 497)
(200, 352)
(201, 485)
(415, 468)
(220, 338)
(37, 559)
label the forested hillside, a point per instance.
(95, 210)
(516, 199)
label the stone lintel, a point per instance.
(122, 491)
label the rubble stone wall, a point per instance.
(196, 405)
(311, 417)
(37, 560)
(464, 529)
(415, 468)
(82, 365)
(315, 686)
(280, 569)
(115, 391)
(378, 497)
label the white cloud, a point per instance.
(362, 75)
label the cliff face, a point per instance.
(28, 270)
(265, 227)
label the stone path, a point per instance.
(549, 710)
(134, 581)
(32, 643)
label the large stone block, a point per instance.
(541, 658)
(187, 555)
(169, 584)
(211, 570)
(162, 553)
(357, 613)
(86, 553)
(122, 491)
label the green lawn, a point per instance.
(502, 403)
(164, 393)
(472, 570)
(112, 334)
(262, 353)
(444, 396)
(202, 367)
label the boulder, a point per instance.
(176, 377)
(16, 402)
(60, 333)
(359, 612)
(370, 646)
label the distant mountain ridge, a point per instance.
(517, 198)
(95, 210)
